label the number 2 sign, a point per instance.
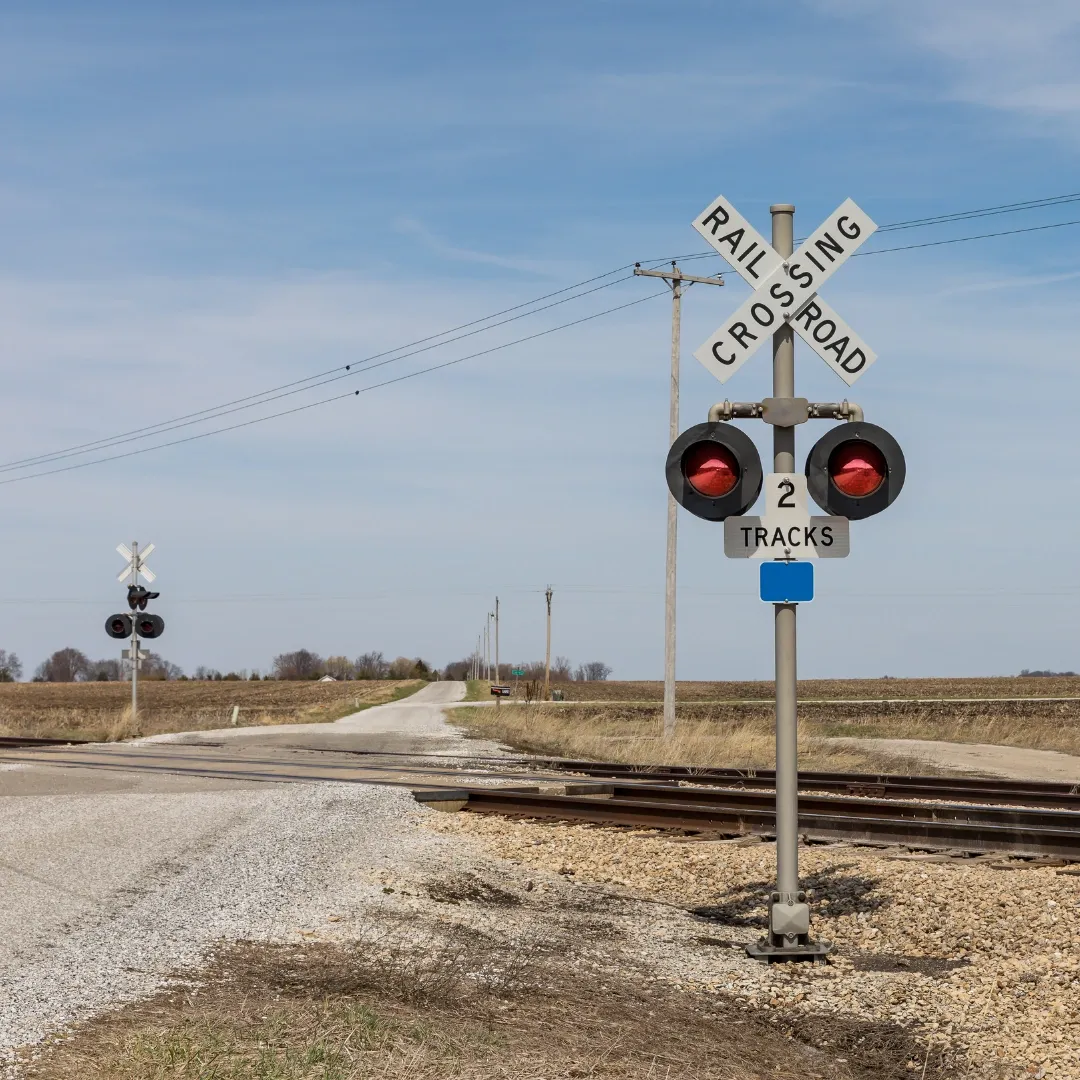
(786, 530)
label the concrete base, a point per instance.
(768, 953)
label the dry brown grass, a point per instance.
(465, 1010)
(103, 710)
(741, 735)
(706, 736)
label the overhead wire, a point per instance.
(334, 397)
(331, 375)
(474, 327)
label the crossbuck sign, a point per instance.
(785, 290)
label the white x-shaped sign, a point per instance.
(785, 290)
(136, 564)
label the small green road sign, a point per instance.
(517, 671)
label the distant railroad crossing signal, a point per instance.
(785, 290)
(140, 623)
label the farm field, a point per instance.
(829, 688)
(102, 711)
(731, 724)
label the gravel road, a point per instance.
(111, 883)
(106, 894)
(1012, 761)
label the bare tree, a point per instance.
(596, 671)
(561, 671)
(302, 664)
(341, 667)
(10, 667)
(206, 674)
(157, 667)
(106, 671)
(371, 665)
(65, 665)
(458, 670)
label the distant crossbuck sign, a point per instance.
(785, 290)
(135, 564)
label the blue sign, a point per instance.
(787, 582)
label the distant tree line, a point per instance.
(562, 670)
(73, 665)
(304, 664)
(1025, 673)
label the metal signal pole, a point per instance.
(675, 279)
(788, 935)
(547, 652)
(134, 637)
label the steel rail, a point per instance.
(735, 799)
(883, 785)
(1024, 840)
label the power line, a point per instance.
(335, 397)
(313, 382)
(907, 247)
(432, 342)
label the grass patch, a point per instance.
(737, 729)
(102, 711)
(706, 735)
(477, 690)
(455, 1008)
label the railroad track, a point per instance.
(960, 813)
(1026, 831)
(1052, 795)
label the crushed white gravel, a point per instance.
(106, 895)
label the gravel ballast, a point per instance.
(985, 962)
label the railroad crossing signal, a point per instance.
(140, 623)
(785, 290)
(855, 470)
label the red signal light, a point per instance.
(711, 469)
(857, 469)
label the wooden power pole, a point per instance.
(675, 279)
(547, 653)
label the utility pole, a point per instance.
(496, 639)
(675, 280)
(547, 652)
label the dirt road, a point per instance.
(1012, 761)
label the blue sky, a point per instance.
(200, 203)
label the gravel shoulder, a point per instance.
(1016, 762)
(980, 962)
(107, 895)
